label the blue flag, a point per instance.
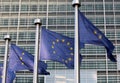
(20, 59)
(10, 75)
(56, 47)
(89, 34)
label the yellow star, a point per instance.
(95, 32)
(23, 53)
(100, 37)
(71, 54)
(71, 48)
(57, 40)
(52, 46)
(66, 61)
(63, 40)
(54, 52)
(69, 59)
(68, 43)
(53, 42)
(20, 58)
(22, 63)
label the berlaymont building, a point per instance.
(17, 19)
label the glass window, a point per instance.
(15, 8)
(112, 65)
(31, 35)
(98, 6)
(0, 8)
(14, 21)
(110, 34)
(99, 20)
(30, 49)
(117, 6)
(2, 49)
(53, 7)
(23, 21)
(44, 7)
(5, 22)
(118, 35)
(70, 8)
(43, 21)
(61, 21)
(27, 36)
(55, 65)
(61, 7)
(7, 7)
(89, 7)
(117, 20)
(70, 21)
(109, 20)
(93, 64)
(31, 21)
(24, 8)
(13, 35)
(33, 7)
(2, 34)
(108, 6)
(52, 21)
(23, 79)
(22, 35)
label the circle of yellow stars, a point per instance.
(68, 44)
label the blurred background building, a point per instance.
(17, 19)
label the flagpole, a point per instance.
(76, 4)
(7, 40)
(38, 23)
(105, 35)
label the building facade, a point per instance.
(17, 20)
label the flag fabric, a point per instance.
(0, 75)
(56, 47)
(89, 34)
(10, 75)
(19, 59)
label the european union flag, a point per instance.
(89, 34)
(20, 59)
(56, 47)
(10, 75)
(1, 68)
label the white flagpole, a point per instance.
(105, 35)
(76, 4)
(38, 23)
(7, 40)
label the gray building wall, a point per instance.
(17, 19)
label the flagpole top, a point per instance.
(75, 2)
(7, 37)
(37, 21)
